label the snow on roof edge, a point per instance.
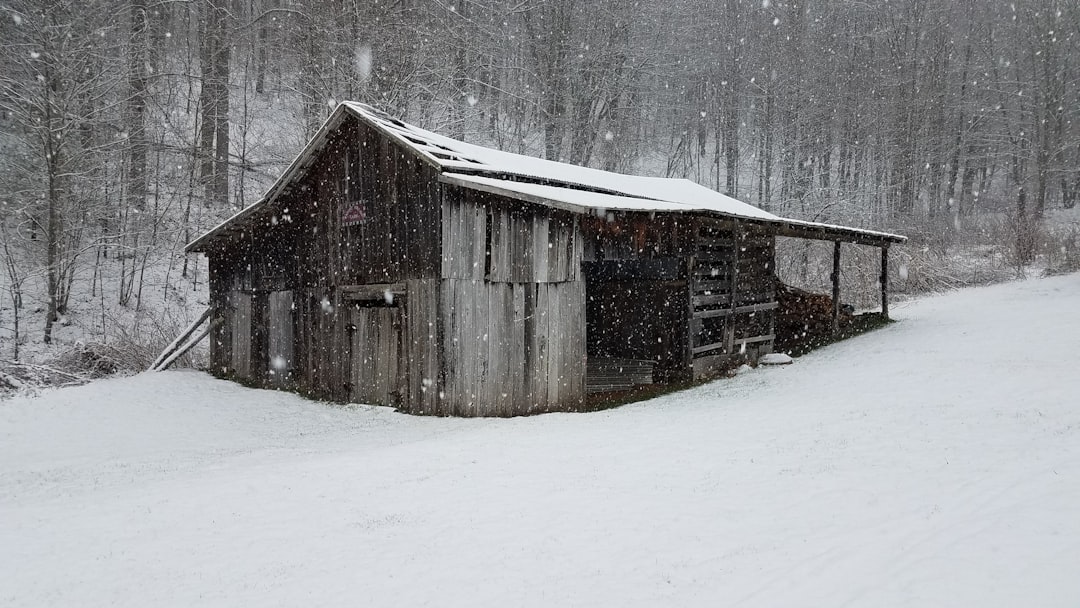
(581, 201)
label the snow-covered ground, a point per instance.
(933, 463)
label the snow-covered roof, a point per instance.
(454, 156)
(550, 183)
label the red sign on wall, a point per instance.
(353, 214)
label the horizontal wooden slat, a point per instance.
(708, 348)
(713, 271)
(718, 345)
(726, 312)
(709, 300)
(767, 338)
(374, 291)
(719, 285)
(716, 242)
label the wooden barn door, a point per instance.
(377, 350)
(280, 338)
(241, 334)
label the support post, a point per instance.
(836, 287)
(691, 326)
(729, 323)
(884, 280)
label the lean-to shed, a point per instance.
(392, 265)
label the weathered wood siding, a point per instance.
(498, 301)
(398, 238)
(243, 274)
(512, 348)
(377, 355)
(307, 251)
(512, 305)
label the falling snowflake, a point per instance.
(362, 61)
(472, 100)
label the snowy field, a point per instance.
(933, 463)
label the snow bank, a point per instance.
(885, 470)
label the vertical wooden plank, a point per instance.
(528, 331)
(355, 362)
(241, 335)
(398, 365)
(835, 276)
(581, 357)
(692, 330)
(731, 321)
(463, 248)
(431, 345)
(446, 325)
(539, 246)
(487, 332)
(884, 279)
(379, 354)
(359, 368)
(504, 309)
(543, 307)
(470, 339)
(555, 340)
(460, 351)
(420, 348)
(478, 260)
(518, 348)
(389, 346)
(280, 336)
(387, 355)
(447, 234)
(577, 250)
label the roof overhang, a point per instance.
(584, 202)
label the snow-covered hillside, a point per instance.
(932, 463)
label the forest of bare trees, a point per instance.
(128, 126)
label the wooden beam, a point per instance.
(836, 287)
(737, 342)
(693, 326)
(169, 354)
(755, 339)
(800, 230)
(885, 282)
(375, 291)
(727, 312)
(729, 325)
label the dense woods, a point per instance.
(128, 127)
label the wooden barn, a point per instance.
(391, 265)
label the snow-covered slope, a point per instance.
(932, 463)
